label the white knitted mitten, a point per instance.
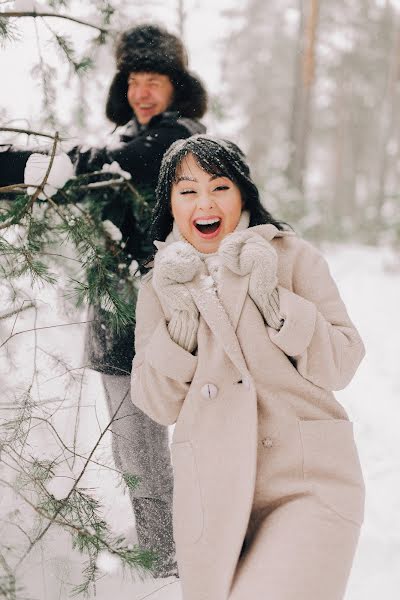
(175, 265)
(36, 168)
(247, 252)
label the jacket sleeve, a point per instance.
(161, 370)
(317, 331)
(141, 156)
(12, 165)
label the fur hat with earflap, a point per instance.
(152, 49)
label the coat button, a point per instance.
(267, 442)
(209, 391)
(246, 383)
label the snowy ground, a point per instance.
(371, 291)
(370, 286)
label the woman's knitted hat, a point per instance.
(150, 48)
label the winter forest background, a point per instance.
(310, 89)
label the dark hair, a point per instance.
(216, 157)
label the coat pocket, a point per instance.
(187, 506)
(332, 467)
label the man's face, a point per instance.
(149, 94)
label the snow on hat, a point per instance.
(150, 48)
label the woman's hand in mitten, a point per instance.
(36, 168)
(174, 266)
(247, 252)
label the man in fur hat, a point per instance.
(158, 101)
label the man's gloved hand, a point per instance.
(175, 265)
(36, 168)
(247, 252)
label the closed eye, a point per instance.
(184, 192)
(221, 188)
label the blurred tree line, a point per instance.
(315, 87)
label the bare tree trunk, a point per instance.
(340, 135)
(389, 106)
(181, 18)
(304, 80)
(345, 159)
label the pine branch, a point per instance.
(16, 311)
(31, 132)
(44, 327)
(97, 185)
(131, 481)
(156, 590)
(7, 31)
(78, 479)
(136, 556)
(35, 14)
(8, 588)
(64, 44)
(14, 186)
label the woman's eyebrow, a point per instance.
(188, 178)
(185, 178)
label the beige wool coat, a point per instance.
(249, 393)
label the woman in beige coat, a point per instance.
(241, 338)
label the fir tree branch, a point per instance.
(45, 72)
(8, 589)
(72, 452)
(40, 188)
(59, 256)
(65, 46)
(103, 184)
(88, 460)
(9, 188)
(157, 590)
(35, 14)
(59, 521)
(31, 132)
(44, 327)
(13, 524)
(16, 311)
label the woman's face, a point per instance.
(205, 207)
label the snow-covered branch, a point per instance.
(34, 14)
(31, 132)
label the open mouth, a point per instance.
(145, 108)
(208, 227)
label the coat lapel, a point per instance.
(216, 317)
(232, 291)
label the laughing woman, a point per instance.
(241, 338)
